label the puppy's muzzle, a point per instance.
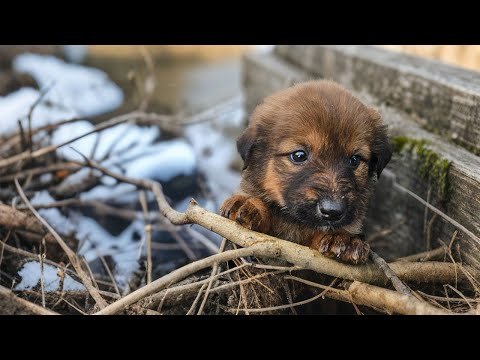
(331, 210)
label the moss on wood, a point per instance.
(432, 167)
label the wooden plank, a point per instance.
(444, 99)
(391, 207)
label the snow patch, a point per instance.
(87, 91)
(16, 106)
(53, 216)
(163, 161)
(31, 272)
(122, 248)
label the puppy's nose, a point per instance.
(331, 210)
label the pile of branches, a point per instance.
(251, 273)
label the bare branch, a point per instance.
(21, 306)
(438, 212)
(389, 273)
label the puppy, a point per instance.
(312, 154)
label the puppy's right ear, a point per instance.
(245, 145)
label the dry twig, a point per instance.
(390, 274)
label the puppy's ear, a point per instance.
(245, 144)
(382, 149)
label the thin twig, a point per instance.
(425, 218)
(41, 257)
(191, 311)
(148, 234)
(178, 275)
(48, 149)
(437, 211)
(390, 274)
(424, 256)
(40, 171)
(110, 275)
(212, 276)
(70, 254)
(174, 216)
(303, 302)
(30, 113)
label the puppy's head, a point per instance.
(315, 151)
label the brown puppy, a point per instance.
(312, 154)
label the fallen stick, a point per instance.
(12, 218)
(377, 297)
(13, 305)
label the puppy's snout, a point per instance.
(331, 210)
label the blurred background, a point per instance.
(194, 76)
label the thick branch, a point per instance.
(428, 272)
(379, 298)
(12, 304)
(12, 218)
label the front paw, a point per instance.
(250, 212)
(344, 247)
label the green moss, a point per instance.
(432, 167)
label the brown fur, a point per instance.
(282, 198)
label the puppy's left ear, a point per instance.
(245, 144)
(382, 149)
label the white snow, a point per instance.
(122, 248)
(123, 138)
(53, 216)
(16, 106)
(30, 273)
(163, 161)
(122, 193)
(87, 91)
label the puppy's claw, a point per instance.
(351, 250)
(357, 251)
(250, 212)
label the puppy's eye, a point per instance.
(355, 161)
(298, 157)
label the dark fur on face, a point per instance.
(312, 154)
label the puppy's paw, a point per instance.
(250, 212)
(356, 252)
(342, 247)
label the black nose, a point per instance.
(331, 210)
